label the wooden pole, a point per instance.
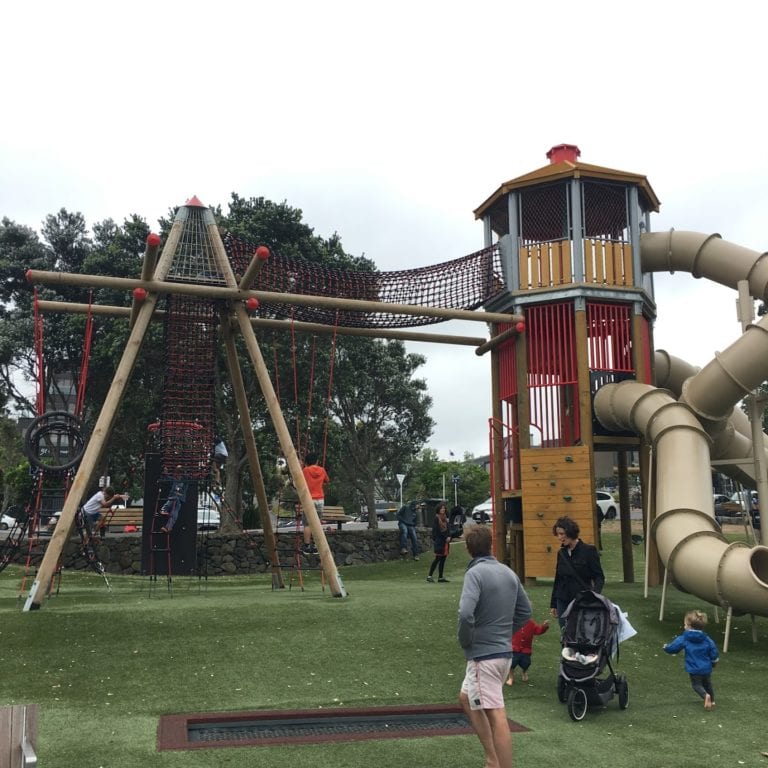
(499, 523)
(494, 341)
(251, 273)
(327, 562)
(236, 294)
(147, 268)
(279, 325)
(236, 376)
(628, 556)
(286, 444)
(101, 433)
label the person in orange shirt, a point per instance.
(316, 478)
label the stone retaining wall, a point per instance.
(244, 553)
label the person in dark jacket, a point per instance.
(700, 655)
(406, 523)
(441, 538)
(578, 567)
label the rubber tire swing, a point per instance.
(45, 432)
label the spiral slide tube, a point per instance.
(703, 425)
(731, 437)
(698, 558)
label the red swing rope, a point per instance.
(85, 361)
(277, 372)
(296, 389)
(311, 391)
(330, 386)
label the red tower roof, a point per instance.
(193, 202)
(563, 152)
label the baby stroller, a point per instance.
(589, 640)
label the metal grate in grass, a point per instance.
(270, 728)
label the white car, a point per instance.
(6, 522)
(608, 506)
(208, 518)
(483, 513)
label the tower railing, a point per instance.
(551, 264)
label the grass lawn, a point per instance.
(104, 666)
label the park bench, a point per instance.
(335, 515)
(118, 517)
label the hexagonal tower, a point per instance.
(569, 238)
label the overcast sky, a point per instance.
(389, 123)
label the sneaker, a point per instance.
(441, 580)
(314, 550)
(430, 580)
(306, 549)
(403, 551)
(415, 557)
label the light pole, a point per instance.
(400, 479)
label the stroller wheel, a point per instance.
(562, 689)
(623, 690)
(577, 704)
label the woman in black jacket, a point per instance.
(578, 567)
(441, 538)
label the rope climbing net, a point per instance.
(464, 283)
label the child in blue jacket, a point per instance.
(700, 655)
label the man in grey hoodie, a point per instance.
(492, 607)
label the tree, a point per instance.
(14, 470)
(372, 426)
(114, 250)
(428, 476)
(381, 416)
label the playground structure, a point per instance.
(565, 279)
(196, 275)
(578, 260)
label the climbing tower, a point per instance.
(569, 237)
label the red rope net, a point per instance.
(185, 431)
(464, 283)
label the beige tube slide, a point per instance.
(698, 558)
(702, 425)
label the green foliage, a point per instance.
(381, 416)
(428, 477)
(17, 484)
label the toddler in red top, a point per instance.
(522, 648)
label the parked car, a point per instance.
(607, 504)
(385, 510)
(6, 522)
(737, 506)
(208, 518)
(483, 512)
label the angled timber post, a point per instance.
(286, 444)
(102, 429)
(246, 426)
(327, 562)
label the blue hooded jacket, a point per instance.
(700, 651)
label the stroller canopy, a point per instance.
(591, 622)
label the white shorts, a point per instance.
(319, 507)
(484, 682)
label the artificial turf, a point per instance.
(105, 666)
